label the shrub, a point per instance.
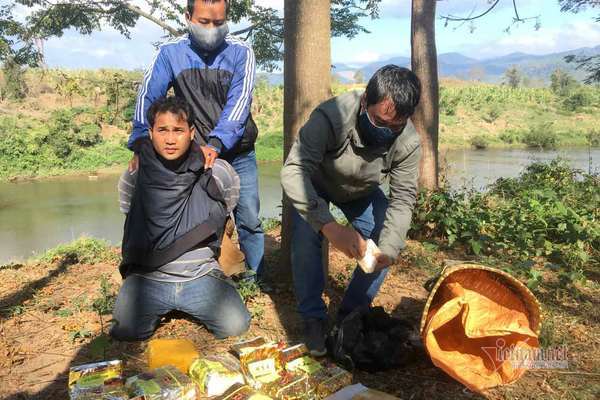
(480, 142)
(549, 211)
(83, 250)
(542, 136)
(492, 115)
(593, 138)
(510, 137)
(448, 103)
(88, 135)
(576, 101)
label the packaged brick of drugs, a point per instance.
(177, 352)
(215, 374)
(101, 380)
(247, 345)
(261, 365)
(328, 380)
(291, 353)
(165, 383)
(242, 392)
(289, 386)
(304, 364)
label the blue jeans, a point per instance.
(251, 235)
(211, 299)
(366, 216)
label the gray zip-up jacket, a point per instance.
(330, 157)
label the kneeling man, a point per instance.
(175, 218)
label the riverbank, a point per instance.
(78, 121)
(54, 313)
(541, 226)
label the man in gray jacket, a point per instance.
(343, 154)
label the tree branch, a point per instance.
(152, 18)
(453, 18)
(245, 30)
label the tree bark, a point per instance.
(424, 64)
(307, 80)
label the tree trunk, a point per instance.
(307, 80)
(424, 64)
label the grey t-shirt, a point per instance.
(197, 262)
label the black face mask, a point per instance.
(374, 135)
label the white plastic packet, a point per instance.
(369, 261)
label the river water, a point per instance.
(38, 215)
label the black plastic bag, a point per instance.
(370, 339)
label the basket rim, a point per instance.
(531, 302)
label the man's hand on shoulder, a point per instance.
(346, 239)
(210, 156)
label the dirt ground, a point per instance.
(47, 324)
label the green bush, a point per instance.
(549, 211)
(480, 142)
(448, 102)
(576, 101)
(492, 115)
(510, 137)
(87, 135)
(83, 250)
(593, 138)
(542, 136)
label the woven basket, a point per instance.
(472, 319)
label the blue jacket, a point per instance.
(218, 86)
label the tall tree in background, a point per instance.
(307, 78)
(512, 77)
(424, 64)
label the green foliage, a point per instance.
(104, 304)
(87, 135)
(480, 142)
(270, 147)
(510, 137)
(265, 24)
(448, 102)
(513, 77)
(550, 212)
(561, 83)
(83, 250)
(248, 289)
(69, 140)
(542, 136)
(80, 335)
(576, 101)
(593, 138)
(268, 224)
(492, 115)
(13, 86)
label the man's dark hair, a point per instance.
(400, 85)
(191, 3)
(174, 105)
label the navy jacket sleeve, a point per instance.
(232, 122)
(156, 83)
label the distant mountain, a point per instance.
(456, 65)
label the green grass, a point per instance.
(84, 250)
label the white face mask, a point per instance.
(207, 39)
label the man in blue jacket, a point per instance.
(214, 72)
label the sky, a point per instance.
(389, 37)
